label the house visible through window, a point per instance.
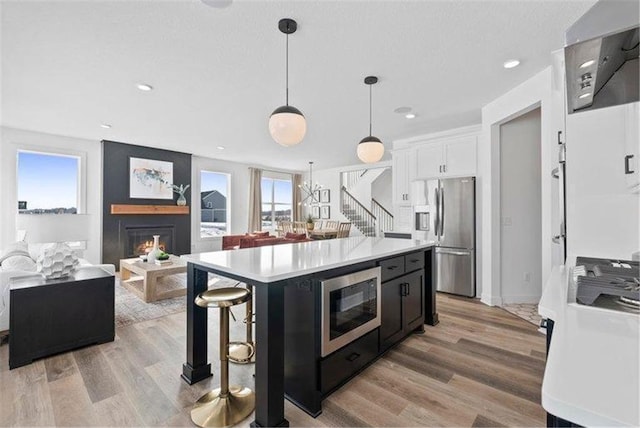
(48, 183)
(214, 203)
(276, 201)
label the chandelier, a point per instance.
(309, 189)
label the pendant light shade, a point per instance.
(287, 124)
(370, 149)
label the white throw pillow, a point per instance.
(16, 249)
(22, 263)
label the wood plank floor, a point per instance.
(481, 366)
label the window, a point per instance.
(48, 183)
(276, 201)
(214, 204)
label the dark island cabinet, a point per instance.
(402, 308)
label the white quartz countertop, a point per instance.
(592, 372)
(278, 262)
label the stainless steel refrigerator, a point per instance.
(449, 219)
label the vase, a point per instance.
(310, 226)
(156, 251)
(182, 201)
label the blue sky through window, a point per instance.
(214, 181)
(47, 181)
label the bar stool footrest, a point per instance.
(241, 352)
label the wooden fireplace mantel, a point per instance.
(148, 209)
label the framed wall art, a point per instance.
(315, 211)
(150, 179)
(325, 196)
(325, 212)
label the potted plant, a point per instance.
(182, 201)
(310, 222)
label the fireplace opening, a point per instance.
(139, 239)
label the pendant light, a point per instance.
(287, 124)
(310, 189)
(370, 149)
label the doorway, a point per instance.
(521, 209)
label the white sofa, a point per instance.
(8, 273)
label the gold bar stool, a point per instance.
(243, 352)
(227, 405)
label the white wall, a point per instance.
(520, 246)
(382, 189)
(603, 218)
(11, 140)
(535, 92)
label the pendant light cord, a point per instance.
(370, 110)
(287, 72)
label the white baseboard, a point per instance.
(491, 300)
(520, 299)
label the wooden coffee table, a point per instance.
(141, 278)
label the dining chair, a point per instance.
(317, 225)
(331, 224)
(299, 227)
(343, 230)
(286, 226)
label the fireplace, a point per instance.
(139, 239)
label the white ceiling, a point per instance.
(218, 73)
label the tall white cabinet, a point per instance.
(443, 155)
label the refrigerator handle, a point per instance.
(442, 211)
(437, 219)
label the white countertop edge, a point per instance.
(193, 258)
(577, 415)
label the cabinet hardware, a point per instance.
(440, 168)
(392, 267)
(559, 135)
(555, 173)
(627, 169)
(444, 168)
(414, 260)
(408, 292)
(353, 357)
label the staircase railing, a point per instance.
(350, 178)
(358, 214)
(384, 217)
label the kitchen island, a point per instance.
(282, 275)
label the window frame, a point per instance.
(228, 207)
(273, 177)
(81, 186)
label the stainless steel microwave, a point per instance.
(350, 308)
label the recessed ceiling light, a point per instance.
(144, 87)
(410, 116)
(587, 63)
(402, 110)
(220, 147)
(588, 94)
(105, 125)
(511, 63)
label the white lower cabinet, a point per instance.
(403, 216)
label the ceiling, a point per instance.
(218, 73)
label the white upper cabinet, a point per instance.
(460, 157)
(449, 158)
(632, 147)
(404, 171)
(430, 158)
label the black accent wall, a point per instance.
(115, 190)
